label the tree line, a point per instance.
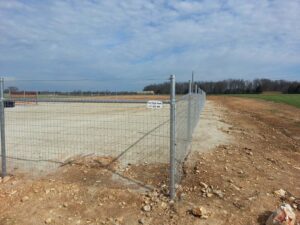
(13, 89)
(230, 86)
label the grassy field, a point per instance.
(290, 99)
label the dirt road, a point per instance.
(250, 150)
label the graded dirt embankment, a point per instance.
(243, 150)
(263, 156)
(211, 130)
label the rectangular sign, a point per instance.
(152, 104)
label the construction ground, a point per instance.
(243, 152)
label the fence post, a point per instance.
(189, 134)
(192, 83)
(2, 120)
(172, 136)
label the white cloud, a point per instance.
(12, 4)
(139, 39)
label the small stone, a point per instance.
(48, 220)
(164, 205)
(199, 212)
(146, 208)
(24, 199)
(65, 205)
(251, 198)
(280, 192)
(292, 198)
(235, 187)
(204, 185)
(204, 217)
(219, 193)
(249, 153)
(141, 221)
(209, 195)
(5, 179)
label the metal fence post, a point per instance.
(195, 105)
(189, 134)
(2, 120)
(192, 83)
(172, 136)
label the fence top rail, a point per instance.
(64, 100)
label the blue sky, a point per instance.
(123, 45)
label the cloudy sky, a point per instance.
(126, 44)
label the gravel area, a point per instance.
(41, 137)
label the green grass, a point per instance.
(290, 99)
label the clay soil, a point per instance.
(262, 157)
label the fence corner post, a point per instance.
(172, 136)
(2, 125)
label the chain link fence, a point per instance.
(41, 133)
(188, 109)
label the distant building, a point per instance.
(145, 92)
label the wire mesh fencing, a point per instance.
(43, 132)
(40, 136)
(188, 109)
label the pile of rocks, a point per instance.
(209, 191)
(284, 215)
(288, 198)
(155, 199)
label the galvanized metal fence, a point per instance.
(185, 120)
(36, 137)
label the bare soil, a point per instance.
(258, 154)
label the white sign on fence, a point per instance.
(152, 104)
